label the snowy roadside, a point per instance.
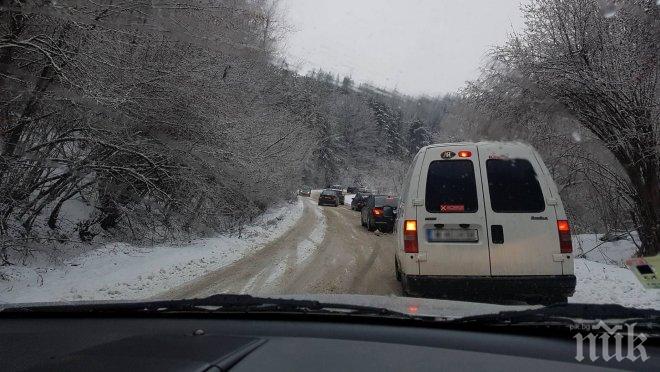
(348, 199)
(602, 277)
(122, 271)
(599, 283)
(613, 253)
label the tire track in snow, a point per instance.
(308, 246)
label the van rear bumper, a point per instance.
(542, 288)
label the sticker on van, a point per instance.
(452, 208)
(498, 157)
(447, 154)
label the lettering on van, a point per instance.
(498, 157)
(539, 218)
(447, 154)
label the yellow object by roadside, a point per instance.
(647, 270)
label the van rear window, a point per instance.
(451, 187)
(513, 186)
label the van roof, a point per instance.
(479, 144)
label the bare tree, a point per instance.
(152, 111)
(603, 68)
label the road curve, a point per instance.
(348, 259)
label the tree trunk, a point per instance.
(644, 177)
(649, 212)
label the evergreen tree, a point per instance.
(418, 137)
(347, 84)
(381, 113)
(328, 160)
(389, 122)
(393, 135)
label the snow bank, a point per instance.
(614, 253)
(602, 276)
(348, 198)
(607, 284)
(122, 271)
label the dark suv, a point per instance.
(352, 189)
(329, 197)
(358, 201)
(340, 193)
(379, 211)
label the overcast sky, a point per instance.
(416, 46)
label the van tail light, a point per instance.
(565, 244)
(464, 154)
(377, 212)
(410, 236)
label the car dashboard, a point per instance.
(220, 344)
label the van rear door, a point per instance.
(522, 223)
(451, 223)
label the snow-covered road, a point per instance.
(327, 251)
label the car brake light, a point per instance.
(464, 154)
(565, 244)
(377, 211)
(410, 236)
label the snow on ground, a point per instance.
(603, 278)
(600, 283)
(122, 271)
(348, 198)
(614, 253)
(308, 246)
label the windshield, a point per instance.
(389, 201)
(157, 150)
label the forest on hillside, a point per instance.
(153, 120)
(141, 121)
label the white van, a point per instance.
(483, 220)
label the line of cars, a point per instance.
(482, 220)
(332, 195)
(376, 211)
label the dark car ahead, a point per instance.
(305, 191)
(340, 193)
(359, 200)
(329, 197)
(352, 189)
(379, 212)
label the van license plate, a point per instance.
(452, 235)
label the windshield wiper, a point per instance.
(220, 303)
(572, 316)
